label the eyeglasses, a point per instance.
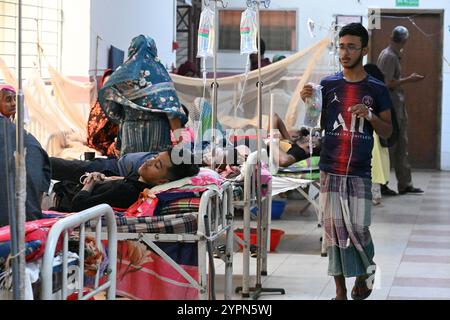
(349, 49)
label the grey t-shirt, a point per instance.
(389, 64)
(37, 167)
(129, 163)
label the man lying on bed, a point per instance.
(298, 150)
(72, 170)
(122, 192)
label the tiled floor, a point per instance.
(412, 248)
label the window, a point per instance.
(41, 35)
(278, 29)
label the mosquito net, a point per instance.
(59, 112)
(283, 80)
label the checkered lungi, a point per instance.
(346, 204)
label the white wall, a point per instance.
(322, 12)
(118, 21)
(445, 142)
(75, 42)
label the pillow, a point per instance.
(307, 163)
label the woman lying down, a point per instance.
(122, 192)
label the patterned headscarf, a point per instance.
(106, 74)
(141, 83)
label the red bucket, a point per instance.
(74, 296)
(275, 237)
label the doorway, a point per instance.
(422, 54)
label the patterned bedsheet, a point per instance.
(173, 223)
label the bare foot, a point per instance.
(340, 295)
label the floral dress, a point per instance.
(101, 133)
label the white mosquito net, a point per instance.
(58, 113)
(284, 79)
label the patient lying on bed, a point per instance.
(122, 192)
(293, 146)
(298, 151)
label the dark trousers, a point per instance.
(73, 169)
(399, 156)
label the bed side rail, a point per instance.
(62, 229)
(215, 219)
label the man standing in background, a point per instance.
(389, 64)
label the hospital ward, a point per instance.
(229, 150)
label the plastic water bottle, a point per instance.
(248, 31)
(205, 46)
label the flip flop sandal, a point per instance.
(363, 296)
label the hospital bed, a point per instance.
(248, 203)
(54, 270)
(60, 231)
(202, 229)
(303, 177)
(276, 185)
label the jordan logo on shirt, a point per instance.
(335, 98)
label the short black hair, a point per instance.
(304, 132)
(374, 71)
(355, 29)
(187, 167)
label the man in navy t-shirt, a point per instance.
(347, 135)
(354, 104)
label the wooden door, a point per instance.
(422, 54)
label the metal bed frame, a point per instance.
(250, 202)
(62, 228)
(215, 218)
(314, 201)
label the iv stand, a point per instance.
(20, 170)
(258, 289)
(214, 85)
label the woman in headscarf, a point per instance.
(141, 97)
(102, 132)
